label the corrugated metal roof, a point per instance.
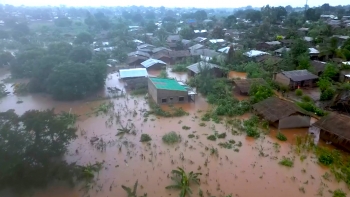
(313, 51)
(195, 67)
(224, 50)
(216, 41)
(167, 84)
(135, 72)
(299, 75)
(254, 53)
(139, 53)
(150, 62)
(196, 46)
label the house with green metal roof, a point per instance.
(167, 91)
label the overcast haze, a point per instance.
(181, 3)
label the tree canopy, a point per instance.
(83, 37)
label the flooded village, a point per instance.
(174, 102)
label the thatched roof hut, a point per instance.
(341, 101)
(335, 128)
(282, 113)
(244, 85)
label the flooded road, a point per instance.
(242, 172)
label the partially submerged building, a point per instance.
(243, 85)
(281, 113)
(196, 68)
(296, 78)
(134, 78)
(335, 128)
(168, 91)
(153, 64)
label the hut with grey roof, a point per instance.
(296, 78)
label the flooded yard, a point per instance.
(251, 168)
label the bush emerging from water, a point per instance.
(339, 193)
(211, 137)
(191, 136)
(222, 135)
(281, 136)
(286, 162)
(298, 92)
(171, 138)
(145, 138)
(306, 98)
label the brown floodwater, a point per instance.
(243, 173)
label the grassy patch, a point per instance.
(211, 137)
(280, 136)
(226, 145)
(298, 92)
(222, 135)
(202, 124)
(310, 107)
(171, 138)
(173, 112)
(179, 68)
(145, 138)
(286, 162)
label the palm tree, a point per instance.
(183, 180)
(330, 49)
(132, 193)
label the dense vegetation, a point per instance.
(32, 145)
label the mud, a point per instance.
(242, 173)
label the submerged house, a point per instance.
(335, 128)
(296, 78)
(134, 78)
(153, 64)
(168, 91)
(195, 69)
(243, 85)
(282, 114)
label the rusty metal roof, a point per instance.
(299, 75)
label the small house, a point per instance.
(179, 56)
(318, 66)
(282, 50)
(253, 54)
(243, 85)
(296, 78)
(196, 47)
(139, 53)
(269, 59)
(195, 69)
(134, 78)
(173, 38)
(281, 113)
(145, 48)
(344, 76)
(163, 56)
(303, 31)
(153, 64)
(335, 128)
(268, 45)
(167, 91)
(135, 61)
(160, 50)
(200, 40)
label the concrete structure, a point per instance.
(296, 78)
(167, 91)
(133, 73)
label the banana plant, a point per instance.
(183, 181)
(132, 193)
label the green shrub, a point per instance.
(179, 68)
(306, 98)
(311, 108)
(226, 145)
(326, 158)
(191, 136)
(222, 135)
(202, 124)
(145, 138)
(327, 95)
(171, 138)
(186, 127)
(281, 136)
(211, 137)
(286, 162)
(252, 132)
(298, 92)
(339, 193)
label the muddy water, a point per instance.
(242, 173)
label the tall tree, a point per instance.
(80, 54)
(83, 37)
